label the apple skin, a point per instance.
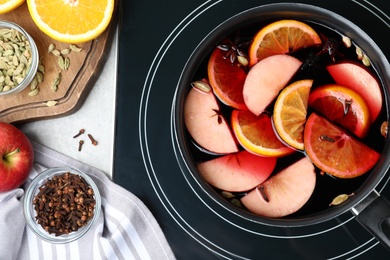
(237, 172)
(265, 80)
(209, 129)
(17, 157)
(286, 192)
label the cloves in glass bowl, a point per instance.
(64, 204)
(61, 204)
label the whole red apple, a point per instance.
(17, 157)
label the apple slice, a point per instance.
(359, 79)
(206, 125)
(240, 171)
(266, 79)
(284, 193)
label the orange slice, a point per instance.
(357, 77)
(72, 21)
(9, 5)
(343, 106)
(256, 135)
(281, 37)
(290, 112)
(336, 152)
(227, 80)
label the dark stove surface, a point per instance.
(156, 40)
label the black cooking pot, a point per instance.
(370, 209)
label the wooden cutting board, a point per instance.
(76, 82)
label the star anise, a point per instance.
(235, 49)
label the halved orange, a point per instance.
(336, 152)
(9, 5)
(343, 106)
(256, 135)
(290, 112)
(72, 21)
(226, 79)
(281, 37)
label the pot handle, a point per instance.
(373, 213)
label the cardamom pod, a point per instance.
(34, 83)
(51, 48)
(61, 62)
(75, 48)
(242, 60)
(227, 195)
(33, 92)
(201, 85)
(366, 61)
(65, 51)
(340, 199)
(56, 53)
(347, 41)
(41, 68)
(66, 63)
(384, 127)
(51, 103)
(39, 77)
(56, 82)
(359, 53)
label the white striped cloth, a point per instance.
(126, 229)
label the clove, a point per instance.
(94, 142)
(81, 145)
(262, 192)
(326, 138)
(82, 131)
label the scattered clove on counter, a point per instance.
(81, 131)
(93, 141)
(81, 142)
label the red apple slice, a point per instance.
(266, 79)
(207, 127)
(359, 79)
(241, 171)
(284, 193)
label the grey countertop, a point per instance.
(96, 116)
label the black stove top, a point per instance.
(156, 39)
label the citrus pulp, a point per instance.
(281, 37)
(336, 152)
(9, 5)
(290, 112)
(71, 21)
(256, 135)
(343, 106)
(226, 79)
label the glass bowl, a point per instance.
(30, 212)
(27, 72)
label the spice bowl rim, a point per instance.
(35, 58)
(29, 211)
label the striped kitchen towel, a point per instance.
(126, 229)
